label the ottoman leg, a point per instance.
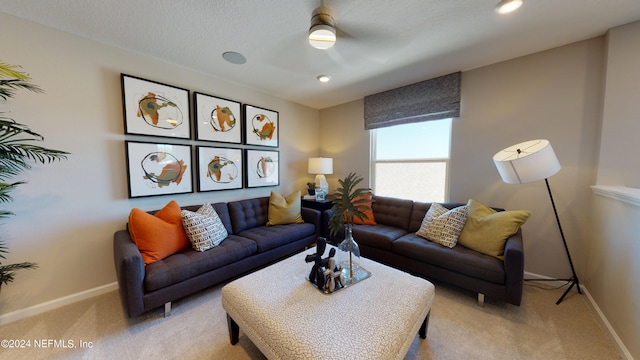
(234, 330)
(423, 328)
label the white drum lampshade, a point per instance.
(527, 162)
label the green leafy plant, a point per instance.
(349, 203)
(18, 150)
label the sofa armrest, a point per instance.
(326, 231)
(514, 268)
(312, 216)
(130, 272)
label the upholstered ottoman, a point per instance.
(286, 317)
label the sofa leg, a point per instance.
(481, 299)
(167, 309)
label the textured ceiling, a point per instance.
(382, 44)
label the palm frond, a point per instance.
(7, 272)
(17, 149)
(5, 214)
(5, 188)
(10, 128)
(3, 249)
(12, 79)
(349, 202)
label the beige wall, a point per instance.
(342, 137)
(619, 163)
(613, 273)
(557, 95)
(67, 214)
(554, 95)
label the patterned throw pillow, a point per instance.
(204, 227)
(443, 226)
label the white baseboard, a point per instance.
(603, 319)
(56, 303)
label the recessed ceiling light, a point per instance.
(507, 6)
(234, 57)
(323, 78)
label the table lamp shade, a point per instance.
(527, 162)
(320, 166)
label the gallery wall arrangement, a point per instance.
(223, 136)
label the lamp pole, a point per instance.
(574, 279)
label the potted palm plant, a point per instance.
(349, 203)
(17, 152)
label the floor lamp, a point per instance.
(528, 162)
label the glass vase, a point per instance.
(349, 255)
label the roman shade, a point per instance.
(434, 99)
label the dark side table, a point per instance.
(320, 205)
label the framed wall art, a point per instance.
(155, 109)
(261, 126)
(158, 169)
(262, 168)
(217, 119)
(219, 168)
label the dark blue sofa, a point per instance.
(250, 245)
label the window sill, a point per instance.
(620, 193)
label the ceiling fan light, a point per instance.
(322, 36)
(507, 6)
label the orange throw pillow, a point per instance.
(370, 220)
(160, 235)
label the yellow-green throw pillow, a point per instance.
(284, 210)
(487, 230)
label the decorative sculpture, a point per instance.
(333, 276)
(316, 275)
(324, 273)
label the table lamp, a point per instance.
(528, 162)
(321, 166)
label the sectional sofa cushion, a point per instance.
(379, 236)
(189, 263)
(284, 210)
(271, 237)
(487, 230)
(392, 211)
(160, 235)
(249, 213)
(458, 259)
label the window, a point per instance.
(411, 161)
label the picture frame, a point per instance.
(158, 169)
(262, 168)
(261, 126)
(155, 109)
(219, 168)
(217, 119)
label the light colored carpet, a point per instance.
(197, 329)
